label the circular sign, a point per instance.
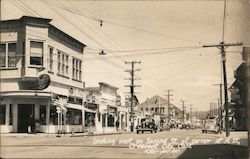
(43, 81)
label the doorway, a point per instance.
(25, 118)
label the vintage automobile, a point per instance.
(211, 125)
(146, 125)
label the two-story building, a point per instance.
(41, 77)
(110, 114)
(158, 106)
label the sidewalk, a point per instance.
(55, 135)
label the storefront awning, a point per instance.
(79, 107)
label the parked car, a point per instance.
(211, 125)
(146, 125)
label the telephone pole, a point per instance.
(190, 116)
(183, 108)
(222, 46)
(168, 99)
(132, 87)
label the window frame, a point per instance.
(7, 55)
(76, 69)
(62, 63)
(50, 59)
(37, 54)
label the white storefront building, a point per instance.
(41, 69)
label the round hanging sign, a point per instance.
(43, 81)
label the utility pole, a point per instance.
(220, 104)
(210, 110)
(222, 46)
(168, 99)
(196, 117)
(183, 108)
(190, 116)
(132, 87)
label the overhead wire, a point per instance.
(103, 58)
(126, 26)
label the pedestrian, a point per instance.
(117, 124)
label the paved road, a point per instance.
(170, 144)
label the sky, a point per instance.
(166, 36)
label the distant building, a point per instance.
(159, 106)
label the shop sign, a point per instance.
(43, 81)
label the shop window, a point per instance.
(36, 53)
(76, 69)
(141, 109)
(73, 117)
(156, 110)
(2, 114)
(43, 114)
(146, 109)
(53, 115)
(10, 115)
(89, 119)
(126, 118)
(111, 121)
(103, 120)
(99, 117)
(50, 58)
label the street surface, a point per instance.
(167, 144)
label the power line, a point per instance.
(100, 20)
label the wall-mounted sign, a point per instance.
(43, 81)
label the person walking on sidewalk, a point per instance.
(117, 124)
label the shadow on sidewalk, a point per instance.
(215, 151)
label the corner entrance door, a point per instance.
(25, 117)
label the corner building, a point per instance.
(41, 70)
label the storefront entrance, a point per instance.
(26, 118)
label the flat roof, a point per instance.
(42, 22)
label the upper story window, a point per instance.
(77, 69)
(63, 63)
(8, 54)
(50, 60)
(36, 53)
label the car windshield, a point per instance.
(147, 120)
(210, 122)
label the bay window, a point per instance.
(3, 55)
(12, 51)
(50, 58)
(36, 53)
(8, 54)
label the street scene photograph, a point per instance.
(160, 79)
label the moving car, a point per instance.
(146, 125)
(211, 125)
